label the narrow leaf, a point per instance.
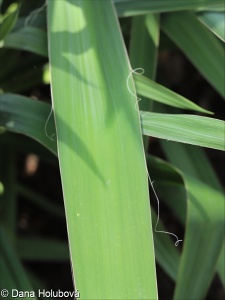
(41, 201)
(27, 38)
(127, 8)
(203, 238)
(9, 20)
(167, 255)
(152, 90)
(144, 50)
(15, 276)
(215, 21)
(190, 129)
(23, 115)
(199, 45)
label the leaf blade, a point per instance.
(190, 129)
(104, 224)
(150, 89)
(198, 44)
(22, 115)
(127, 8)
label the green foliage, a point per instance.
(94, 131)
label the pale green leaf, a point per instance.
(189, 129)
(99, 144)
(152, 90)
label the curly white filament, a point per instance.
(140, 71)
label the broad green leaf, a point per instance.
(126, 8)
(27, 38)
(9, 20)
(162, 244)
(42, 249)
(197, 162)
(200, 45)
(189, 129)
(215, 21)
(15, 276)
(100, 154)
(150, 89)
(23, 115)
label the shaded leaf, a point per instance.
(127, 8)
(42, 249)
(200, 45)
(215, 21)
(23, 115)
(27, 38)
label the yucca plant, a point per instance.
(94, 126)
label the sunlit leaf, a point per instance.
(150, 89)
(109, 246)
(189, 129)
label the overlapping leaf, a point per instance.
(109, 246)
